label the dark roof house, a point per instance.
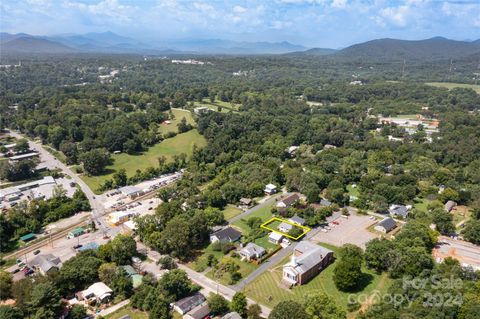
(227, 234)
(45, 263)
(199, 312)
(450, 205)
(386, 225)
(399, 210)
(186, 304)
(289, 201)
(297, 220)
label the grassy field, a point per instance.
(231, 211)
(128, 310)
(182, 143)
(264, 213)
(245, 269)
(179, 114)
(353, 191)
(450, 86)
(226, 106)
(265, 289)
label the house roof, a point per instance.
(291, 199)
(98, 289)
(253, 249)
(388, 223)
(232, 315)
(129, 270)
(400, 210)
(286, 226)
(275, 236)
(325, 202)
(311, 255)
(188, 303)
(45, 262)
(246, 201)
(297, 219)
(450, 205)
(199, 312)
(227, 233)
(270, 186)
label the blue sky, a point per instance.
(313, 23)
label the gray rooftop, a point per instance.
(399, 210)
(311, 254)
(232, 315)
(286, 226)
(45, 262)
(229, 233)
(253, 248)
(297, 219)
(388, 223)
(190, 302)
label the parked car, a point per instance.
(77, 246)
(15, 270)
(36, 252)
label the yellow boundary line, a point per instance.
(305, 228)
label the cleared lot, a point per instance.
(348, 231)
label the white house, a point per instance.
(98, 291)
(270, 189)
(252, 251)
(285, 227)
(275, 238)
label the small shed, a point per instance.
(28, 237)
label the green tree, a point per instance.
(160, 310)
(217, 304)
(287, 310)
(95, 161)
(348, 271)
(6, 281)
(45, 301)
(175, 284)
(120, 250)
(9, 312)
(471, 232)
(321, 306)
(254, 311)
(378, 253)
(120, 178)
(239, 304)
(78, 312)
(443, 221)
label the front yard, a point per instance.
(266, 290)
(128, 310)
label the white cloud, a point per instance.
(279, 25)
(239, 9)
(107, 8)
(396, 15)
(339, 4)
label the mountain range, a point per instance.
(108, 42)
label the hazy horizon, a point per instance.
(311, 23)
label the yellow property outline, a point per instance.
(305, 228)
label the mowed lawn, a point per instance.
(266, 289)
(128, 310)
(179, 114)
(231, 211)
(450, 86)
(181, 143)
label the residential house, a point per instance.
(325, 203)
(292, 150)
(227, 234)
(245, 202)
(201, 110)
(199, 312)
(288, 201)
(232, 315)
(450, 205)
(307, 261)
(285, 227)
(23, 157)
(297, 220)
(252, 251)
(186, 304)
(270, 189)
(399, 210)
(98, 291)
(386, 225)
(275, 238)
(45, 264)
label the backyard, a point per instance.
(266, 290)
(231, 211)
(179, 114)
(128, 310)
(264, 214)
(181, 143)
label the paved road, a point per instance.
(267, 202)
(97, 207)
(208, 285)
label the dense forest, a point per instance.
(284, 101)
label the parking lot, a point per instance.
(347, 231)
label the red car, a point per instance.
(335, 222)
